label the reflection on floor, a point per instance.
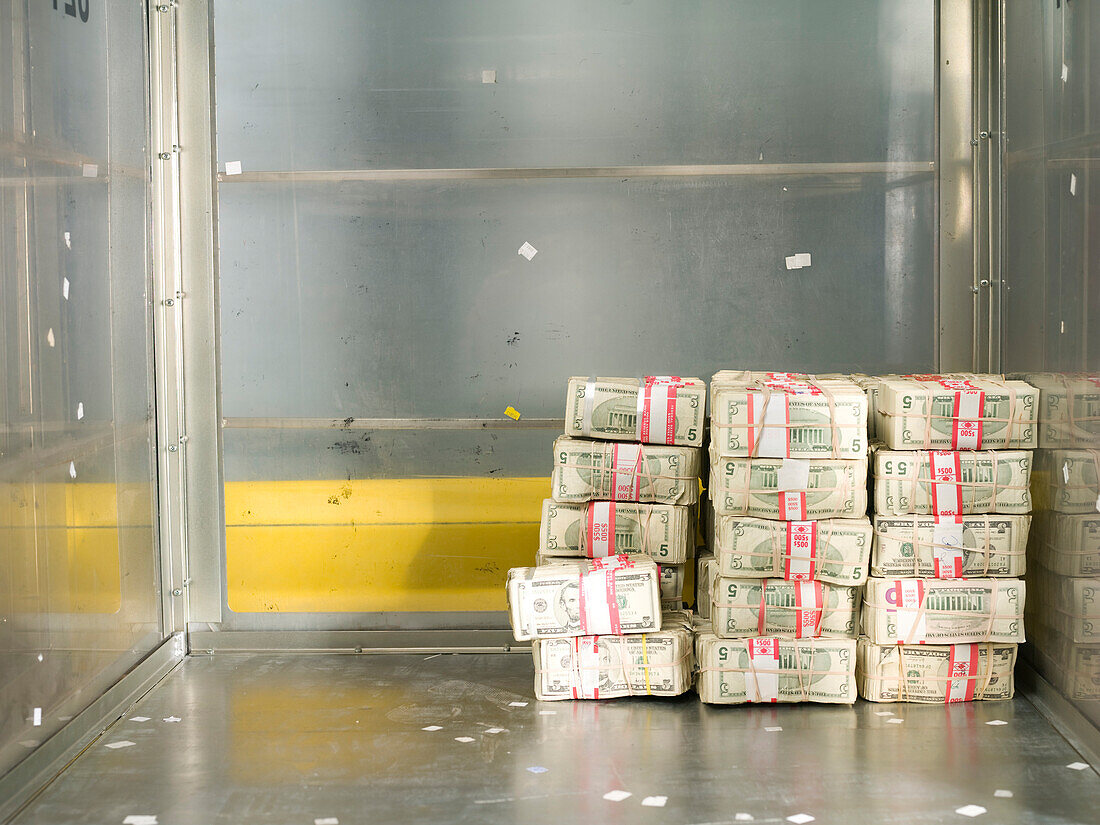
(264, 738)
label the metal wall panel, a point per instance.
(1052, 270)
(78, 599)
(664, 160)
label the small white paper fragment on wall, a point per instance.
(36, 717)
(654, 801)
(140, 819)
(72, 469)
(65, 288)
(79, 410)
(90, 170)
(233, 167)
(1065, 72)
(798, 260)
(326, 820)
(68, 238)
(488, 75)
(1073, 183)
(1001, 793)
(528, 251)
(617, 796)
(139, 718)
(125, 743)
(49, 336)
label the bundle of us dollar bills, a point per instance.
(1067, 544)
(706, 571)
(935, 412)
(653, 410)
(616, 595)
(1069, 408)
(604, 528)
(660, 663)
(1072, 667)
(735, 671)
(924, 546)
(968, 482)
(789, 489)
(944, 611)
(1067, 480)
(935, 674)
(601, 470)
(835, 551)
(1070, 606)
(773, 607)
(786, 415)
(670, 579)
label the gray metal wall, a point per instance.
(1052, 309)
(663, 158)
(79, 602)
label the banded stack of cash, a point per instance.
(789, 535)
(614, 541)
(936, 674)
(1069, 409)
(952, 500)
(736, 671)
(1063, 609)
(660, 663)
(960, 412)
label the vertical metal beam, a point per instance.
(192, 518)
(205, 516)
(955, 158)
(167, 326)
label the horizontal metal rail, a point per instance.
(529, 173)
(393, 424)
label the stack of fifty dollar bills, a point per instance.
(603, 604)
(789, 536)
(943, 609)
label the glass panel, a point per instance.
(1053, 319)
(79, 602)
(406, 299)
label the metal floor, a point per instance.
(302, 738)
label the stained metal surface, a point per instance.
(79, 600)
(1052, 321)
(267, 738)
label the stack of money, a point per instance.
(1069, 409)
(789, 535)
(944, 606)
(607, 667)
(935, 674)
(736, 671)
(1063, 575)
(615, 538)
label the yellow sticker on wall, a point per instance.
(512, 413)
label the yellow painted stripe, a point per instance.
(428, 544)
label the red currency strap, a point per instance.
(665, 386)
(909, 596)
(584, 647)
(764, 652)
(626, 472)
(809, 600)
(945, 474)
(963, 670)
(792, 506)
(601, 530)
(800, 560)
(606, 568)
